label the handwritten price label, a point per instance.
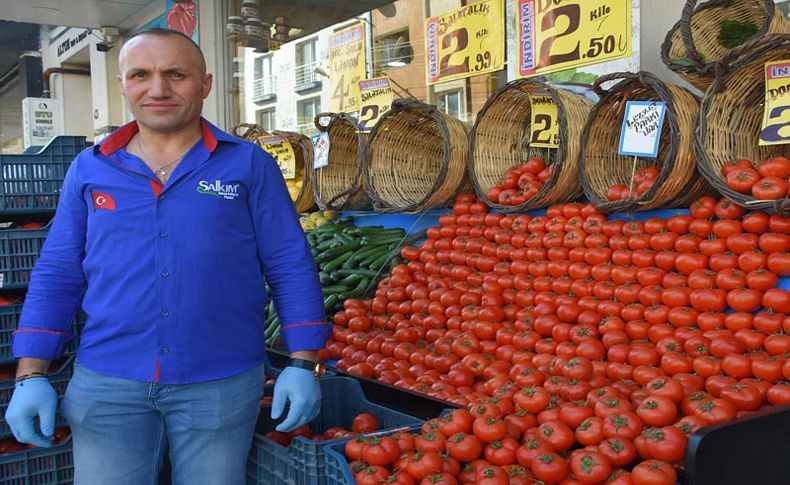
(641, 130)
(544, 127)
(280, 148)
(555, 36)
(465, 42)
(776, 117)
(375, 99)
(346, 67)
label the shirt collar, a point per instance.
(121, 137)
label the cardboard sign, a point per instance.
(346, 67)
(280, 148)
(776, 117)
(375, 100)
(465, 42)
(544, 125)
(320, 150)
(555, 36)
(641, 128)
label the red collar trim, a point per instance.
(123, 135)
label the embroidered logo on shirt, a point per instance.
(218, 189)
(103, 201)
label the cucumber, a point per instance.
(357, 290)
(351, 279)
(333, 264)
(328, 290)
(363, 272)
(271, 328)
(331, 300)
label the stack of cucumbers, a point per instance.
(351, 260)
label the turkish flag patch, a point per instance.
(103, 201)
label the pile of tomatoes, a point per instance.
(643, 181)
(10, 445)
(520, 182)
(362, 423)
(573, 325)
(767, 181)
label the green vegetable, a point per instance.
(733, 33)
(357, 290)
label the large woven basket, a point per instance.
(678, 183)
(416, 158)
(730, 117)
(339, 185)
(303, 151)
(500, 140)
(697, 30)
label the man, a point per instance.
(168, 226)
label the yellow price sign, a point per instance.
(280, 148)
(346, 67)
(776, 117)
(555, 35)
(465, 42)
(544, 126)
(375, 100)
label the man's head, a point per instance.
(163, 78)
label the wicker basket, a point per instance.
(678, 183)
(500, 140)
(416, 158)
(338, 186)
(731, 114)
(303, 151)
(697, 30)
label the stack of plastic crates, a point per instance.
(30, 185)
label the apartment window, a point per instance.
(264, 82)
(452, 103)
(392, 51)
(267, 119)
(306, 110)
(306, 62)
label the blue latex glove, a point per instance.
(31, 398)
(300, 388)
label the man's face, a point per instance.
(164, 82)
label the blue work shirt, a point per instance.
(173, 274)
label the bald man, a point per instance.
(168, 228)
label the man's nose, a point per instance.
(159, 87)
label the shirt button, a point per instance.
(164, 274)
(162, 197)
(163, 234)
(165, 350)
(165, 313)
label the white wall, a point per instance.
(657, 19)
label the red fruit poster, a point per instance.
(182, 15)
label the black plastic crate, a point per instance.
(32, 182)
(19, 251)
(39, 466)
(304, 462)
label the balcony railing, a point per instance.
(305, 126)
(264, 86)
(305, 74)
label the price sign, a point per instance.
(375, 99)
(320, 150)
(641, 128)
(557, 35)
(776, 117)
(465, 42)
(346, 67)
(280, 148)
(544, 126)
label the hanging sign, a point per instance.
(375, 100)
(280, 148)
(42, 120)
(465, 42)
(544, 124)
(641, 128)
(346, 67)
(320, 150)
(776, 117)
(558, 35)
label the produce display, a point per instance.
(642, 181)
(521, 182)
(362, 423)
(579, 345)
(768, 180)
(316, 219)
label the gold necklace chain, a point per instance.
(160, 170)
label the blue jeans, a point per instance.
(119, 427)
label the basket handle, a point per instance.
(643, 77)
(766, 42)
(250, 130)
(320, 116)
(685, 34)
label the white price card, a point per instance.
(641, 130)
(320, 150)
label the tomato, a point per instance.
(619, 477)
(744, 300)
(489, 428)
(590, 466)
(774, 167)
(456, 421)
(756, 222)
(702, 208)
(487, 474)
(439, 479)
(736, 164)
(433, 441)
(742, 180)
(654, 472)
(776, 299)
(371, 475)
(381, 450)
(590, 431)
(557, 433)
(779, 394)
(657, 411)
(620, 451)
(715, 410)
(770, 188)
(728, 209)
(550, 467)
(421, 464)
(622, 425)
(501, 452)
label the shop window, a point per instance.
(306, 62)
(452, 103)
(267, 119)
(392, 51)
(306, 110)
(264, 85)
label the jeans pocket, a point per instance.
(227, 403)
